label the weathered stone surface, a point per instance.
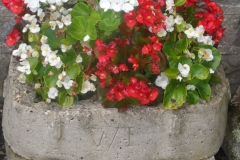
(88, 131)
(231, 143)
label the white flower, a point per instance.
(44, 39)
(169, 22)
(32, 4)
(179, 78)
(37, 85)
(208, 56)
(190, 32)
(53, 59)
(93, 77)
(191, 87)
(86, 38)
(59, 83)
(35, 54)
(162, 33)
(199, 33)
(86, 87)
(169, 4)
(178, 20)
(60, 24)
(28, 17)
(53, 24)
(22, 78)
(67, 82)
(208, 40)
(48, 100)
(52, 93)
(67, 20)
(34, 28)
(65, 48)
(184, 69)
(46, 50)
(25, 68)
(41, 14)
(92, 87)
(162, 81)
(79, 59)
(59, 64)
(211, 70)
(105, 4)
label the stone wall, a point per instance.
(229, 47)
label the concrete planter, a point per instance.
(88, 131)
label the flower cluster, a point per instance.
(131, 52)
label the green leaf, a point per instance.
(82, 27)
(80, 79)
(29, 77)
(192, 97)
(199, 71)
(179, 2)
(61, 97)
(95, 16)
(68, 102)
(41, 69)
(109, 24)
(214, 79)
(45, 25)
(133, 101)
(53, 41)
(204, 90)
(181, 45)
(71, 56)
(33, 62)
(51, 76)
(69, 40)
(81, 9)
(171, 73)
(174, 96)
(73, 70)
(168, 48)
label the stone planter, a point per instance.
(87, 131)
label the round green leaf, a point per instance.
(204, 90)
(73, 70)
(192, 97)
(171, 73)
(81, 27)
(51, 76)
(199, 71)
(179, 2)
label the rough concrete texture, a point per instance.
(231, 143)
(88, 131)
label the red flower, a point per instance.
(123, 67)
(133, 60)
(146, 49)
(153, 94)
(13, 38)
(102, 74)
(17, 7)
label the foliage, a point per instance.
(130, 52)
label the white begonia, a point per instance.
(59, 64)
(51, 1)
(55, 15)
(211, 70)
(169, 4)
(162, 81)
(162, 33)
(184, 69)
(40, 14)
(86, 38)
(67, 82)
(64, 11)
(26, 28)
(105, 4)
(28, 17)
(67, 20)
(179, 78)
(59, 83)
(34, 28)
(52, 93)
(178, 20)
(46, 50)
(78, 59)
(188, 54)
(93, 77)
(33, 5)
(65, 48)
(53, 59)
(22, 78)
(169, 22)
(22, 48)
(128, 5)
(52, 7)
(208, 56)
(86, 87)
(199, 33)
(92, 87)
(190, 32)
(208, 40)
(25, 68)
(37, 85)
(44, 39)
(60, 2)
(60, 24)
(191, 87)
(53, 24)
(48, 100)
